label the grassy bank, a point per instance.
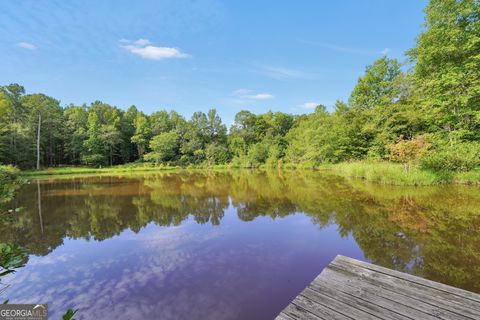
(396, 174)
(127, 168)
(90, 170)
(381, 172)
(10, 181)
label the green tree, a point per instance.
(142, 134)
(447, 68)
(164, 147)
(45, 128)
(128, 150)
(94, 154)
(216, 131)
(378, 86)
(14, 116)
(76, 119)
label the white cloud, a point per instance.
(259, 96)
(346, 49)
(142, 42)
(251, 95)
(145, 49)
(309, 105)
(26, 45)
(241, 92)
(282, 73)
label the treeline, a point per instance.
(423, 111)
(100, 134)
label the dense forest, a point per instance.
(422, 111)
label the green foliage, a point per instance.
(447, 67)
(388, 110)
(387, 173)
(379, 86)
(93, 144)
(217, 154)
(142, 133)
(69, 315)
(12, 257)
(76, 122)
(258, 154)
(9, 182)
(460, 157)
(164, 147)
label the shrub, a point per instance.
(217, 154)
(96, 160)
(258, 154)
(407, 151)
(9, 182)
(460, 157)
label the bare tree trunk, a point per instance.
(38, 139)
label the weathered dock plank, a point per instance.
(352, 289)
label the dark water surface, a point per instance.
(226, 245)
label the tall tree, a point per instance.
(94, 154)
(15, 113)
(127, 129)
(76, 122)
(164, 147)
(142, 133)
(45, 122)
(447, 67)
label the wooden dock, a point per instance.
(352, 289)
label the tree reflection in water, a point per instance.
(433, 232)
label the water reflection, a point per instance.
(433, 232)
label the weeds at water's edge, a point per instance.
(398, 174)
(382, 172)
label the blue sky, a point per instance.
(194, 55)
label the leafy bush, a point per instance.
(96, 160)
(407, 151)
(164, 147)
(460, 157)
(12, 257)
(258, 154)
(9, 182)
(217, 154)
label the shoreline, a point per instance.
(380, 172)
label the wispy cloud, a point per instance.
(259, 96)
(27, 45)
(309, 105)
(252, 95)
(241, 92)
(385, 51)
(281, 73)
(145, 49)
(347, 49)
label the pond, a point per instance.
(225, 244)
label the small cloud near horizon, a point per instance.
(145, 49)
(310, 105)
(251, 95)
(27, 45)
(385, 51)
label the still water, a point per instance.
(225, 245)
